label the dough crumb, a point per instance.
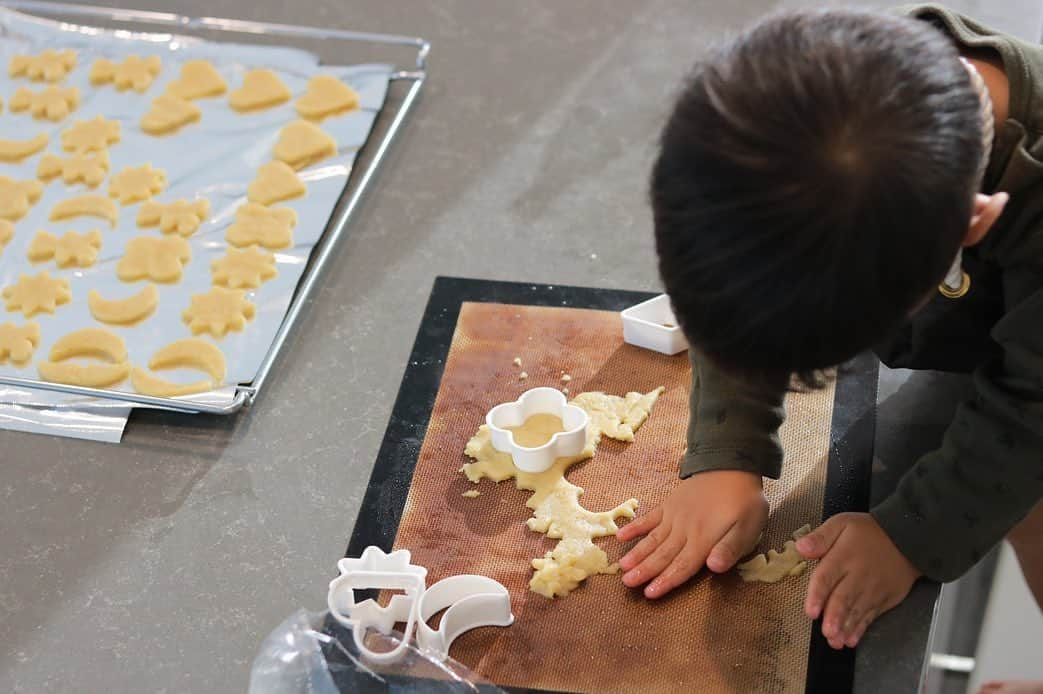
(565, 378)
(775, 566)
(522, 376)
(517, 361)
(565, 391)
(472, 494)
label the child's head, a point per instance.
(815, 182)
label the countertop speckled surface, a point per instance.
(161, 563)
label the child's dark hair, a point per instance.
(814, 183)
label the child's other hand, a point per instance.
(712, 517)
(860, 575)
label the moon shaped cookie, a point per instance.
(88, 343)
(14, 151)
(84, 375)
(86, 206)
(129, 311)
(192, 353)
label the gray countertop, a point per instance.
(161, 563)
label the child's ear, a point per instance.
(987, 209)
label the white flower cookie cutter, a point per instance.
(472, 601)
(566, 443)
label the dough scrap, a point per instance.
(149, 384)
(49, 66)
(16, 197)
(193, 353)
(262, 89)
(275, 182)
(6, 233)
(169, 114)
(69, 250)
(86, 206)
(129, 311)
(18, 342)
(95, 343)
(774, 566)
(472, 494)
(303, 143)
(133, 73)
(94, 135)
(37, 293)
(157, 259)
(136, 183)
(218, 311)
(555, 501)
(52, 103)
(181, 217)
(270, 227)
(198, 79)
(243, 269)
(14, 151)
(326, 96)
(89, 169)
(84, 375)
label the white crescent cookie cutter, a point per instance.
(566, 443)
(473, 601)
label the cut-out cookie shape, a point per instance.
(326, 96)
(775, 566)
(198, 80)
(302, 143)
(136, 183)
(86, 206)
(14, 151)
(179, 217)
(218, 311)
(157, 259)
(192, 353)
(271, 227)
(36, 294)
(84, 375)
(89, 169)
(261, 89)
(94, 135)
(94, 343)
(243, 269)
(129, 311)
(275, 182)
(49, 66)
(149, 384)
(70, 250)
(18, 342)
(168, 114)
(88, 343)
(133, 73)
(16, 197)
(52, 103)
(6, 233)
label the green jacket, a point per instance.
(961, 499)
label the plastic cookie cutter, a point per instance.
(652, 325)
(472, 601)
(551, 401)
(375, 569)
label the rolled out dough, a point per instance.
(775, 566)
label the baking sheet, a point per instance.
(215, 158)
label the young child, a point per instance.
(833, 181)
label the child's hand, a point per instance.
(860, 575)
(717, 514)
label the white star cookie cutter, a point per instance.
(551, 401)
(473, 601)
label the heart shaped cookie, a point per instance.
(261, 89)
(303, 143)
(326, 96)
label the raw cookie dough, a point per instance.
(94, 135)
(89, 169)
(49, 66)
(18, 342)
(774, 566)
(194, 353)
(95, 343)
(326, 96)
(16, 197)
(179, 217)
(261, 89)
(218, 311)
(129, 311)
(84, 375)
(472, 494)
(275, 182)
(157, 259)
(555, 500)
(169, 114)
(136, 183)
(69, 250)
(133, 73)
(198, 80)
(270, 227)
(6, 233)
(243, 269)
(302, 144)
(14, 151)
(149, 384)
(86, 206)
(52, 103)
(33, 294)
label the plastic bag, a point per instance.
(310, 653)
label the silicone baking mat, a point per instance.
(716, 634)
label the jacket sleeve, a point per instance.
(733, 424)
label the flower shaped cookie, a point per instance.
(157, 259)
(218, 311)
(243, 269)
(136, 183)
(179, 217)
(271, 227)
(92, 135)
(35, 294)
